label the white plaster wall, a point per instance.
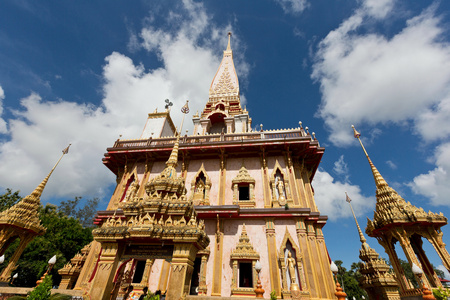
(210, 229)
(167, 130)
(154, 125)
(140, 172)
(153, 279)
(256, 230)
(271, 164)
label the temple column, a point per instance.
(266, 181)
(202, 288)
(308, 260)
(182, 268)
(164, 276)
(300, 185)
(222, 177)
(6, 274)
(316, 267)
(435, 238)
(292, 182)
(147, 270)
(273, 260)
(217, 268)
(308, 191)
(389, 248)
(88, 266)
(404, 241)
(102, 284)
(327, 276)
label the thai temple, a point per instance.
(228, 212)
(195, 214)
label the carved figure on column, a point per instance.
(291, 266)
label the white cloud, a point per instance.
(434, 184)
(371, 79)
(293, 6)
(40, 129)
(341, 167)
(3, 128)
(330, 197)
(391, 164)
(444, 269)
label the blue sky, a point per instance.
(86, 72)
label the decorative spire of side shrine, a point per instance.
(25, 213)
(376, 278)
(391, 208)
(379, 180)
(229, 42)
(361, 235)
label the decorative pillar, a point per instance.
(300, 185)
(102, 284)
(182, 268)
(327, 277)
(6, 274)
(147, 270)
(303, 237)
(218, 252)
(291, 186)
(222, 177)
(274, 271)
(203, 288)
(265, 174)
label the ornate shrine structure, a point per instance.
(199, 226)
(21, 221)
(396, 220)
(376, 279)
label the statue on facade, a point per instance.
(132, 190)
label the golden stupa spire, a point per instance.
(379, 180)
(25, 213)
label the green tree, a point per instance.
(8, 199)
(84, 214)
(65, 236)
(43, 292)
(349, 280)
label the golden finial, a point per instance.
(361, 236)
(379, 180)
(38, 191)
(229, 41)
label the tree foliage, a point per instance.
(65, 236)
(349, 280)
(8, 199)
(85, 214)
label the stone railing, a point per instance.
(215, 138)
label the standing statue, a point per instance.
(280, 186)
(291, 266)
(132, 190)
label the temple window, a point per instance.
(245, 275)
(243, 186)
(243, 259)
(244, 194)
